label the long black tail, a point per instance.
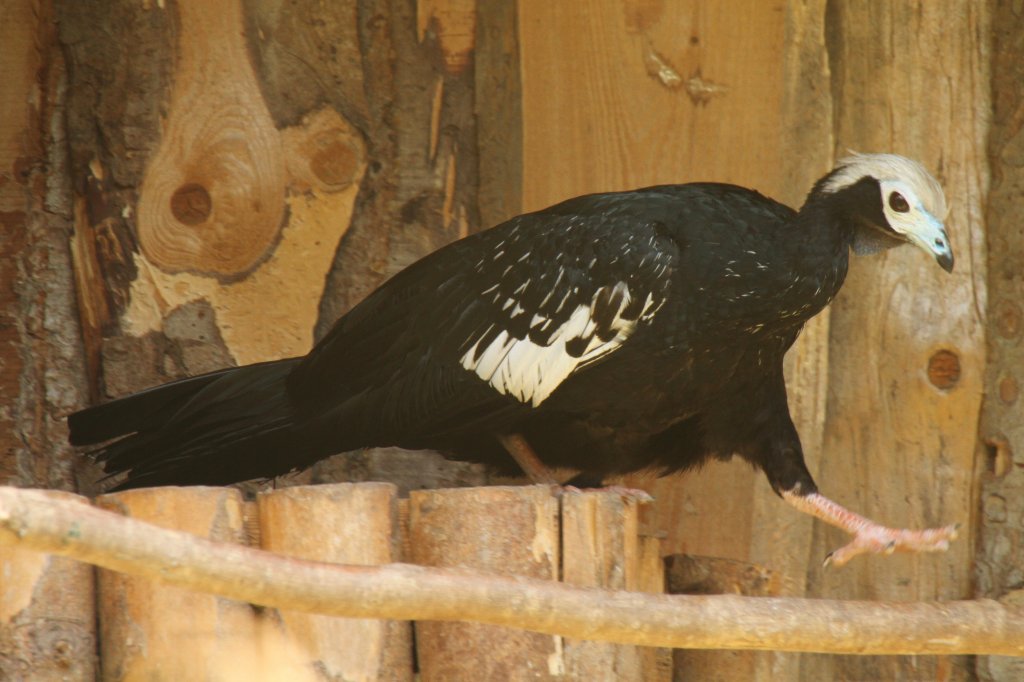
(228, 426)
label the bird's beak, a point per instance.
(929, 234)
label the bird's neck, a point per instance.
(849, 214)
(824, 232)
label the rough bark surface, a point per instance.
(420, 190)
(40, 358)
(47, 613)
(47, 627)
(999, 558)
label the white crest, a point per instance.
(891, 168)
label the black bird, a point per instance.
(608, 334)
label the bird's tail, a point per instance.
(228, 426)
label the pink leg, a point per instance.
(527, 459)
(538, 472)
(869, 537)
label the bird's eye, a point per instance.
(898, 203)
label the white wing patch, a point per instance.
(530, 372)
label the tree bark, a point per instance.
(1000, 549)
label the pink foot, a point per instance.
(868, 536)
(881, 540)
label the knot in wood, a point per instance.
(1009, 390)
(335, 161)
(191, 204)
(1008, 319)
(944, 369)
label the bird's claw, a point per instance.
(875, 539)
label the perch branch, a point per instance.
(405, 592)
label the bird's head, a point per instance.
(893, 200)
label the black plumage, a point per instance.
(613, 332)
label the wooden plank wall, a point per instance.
(905, 438)
(627, 98)
(618, 95)
(379, 130)
(154, 631)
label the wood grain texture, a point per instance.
(420, 133)
(213, 194)
(453, 22)
(47, 614)
(601, 548)
(782, 539)
(515, 532)
(356, 525)
(689, 574)
(595, 118)
(219, 148)
(325, 160)
(120, 66)
(587, 539)
(625, 95)
(153, 631)
(308, 54)
(912, 80)
(19, 141)
(999, 554)
(498, 105)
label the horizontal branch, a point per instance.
(30, 520)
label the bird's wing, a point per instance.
(508, 313)
(548, 313)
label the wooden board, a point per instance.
(624, 95)
(619, 96)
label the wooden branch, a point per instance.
(404, 592)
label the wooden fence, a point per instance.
(570, 574)
(149, 630)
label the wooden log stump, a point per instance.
(688, 574)
(47, 619)
(601, 547)
(509, 530)
(585, 539)
(150, 631)
(342, 523)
